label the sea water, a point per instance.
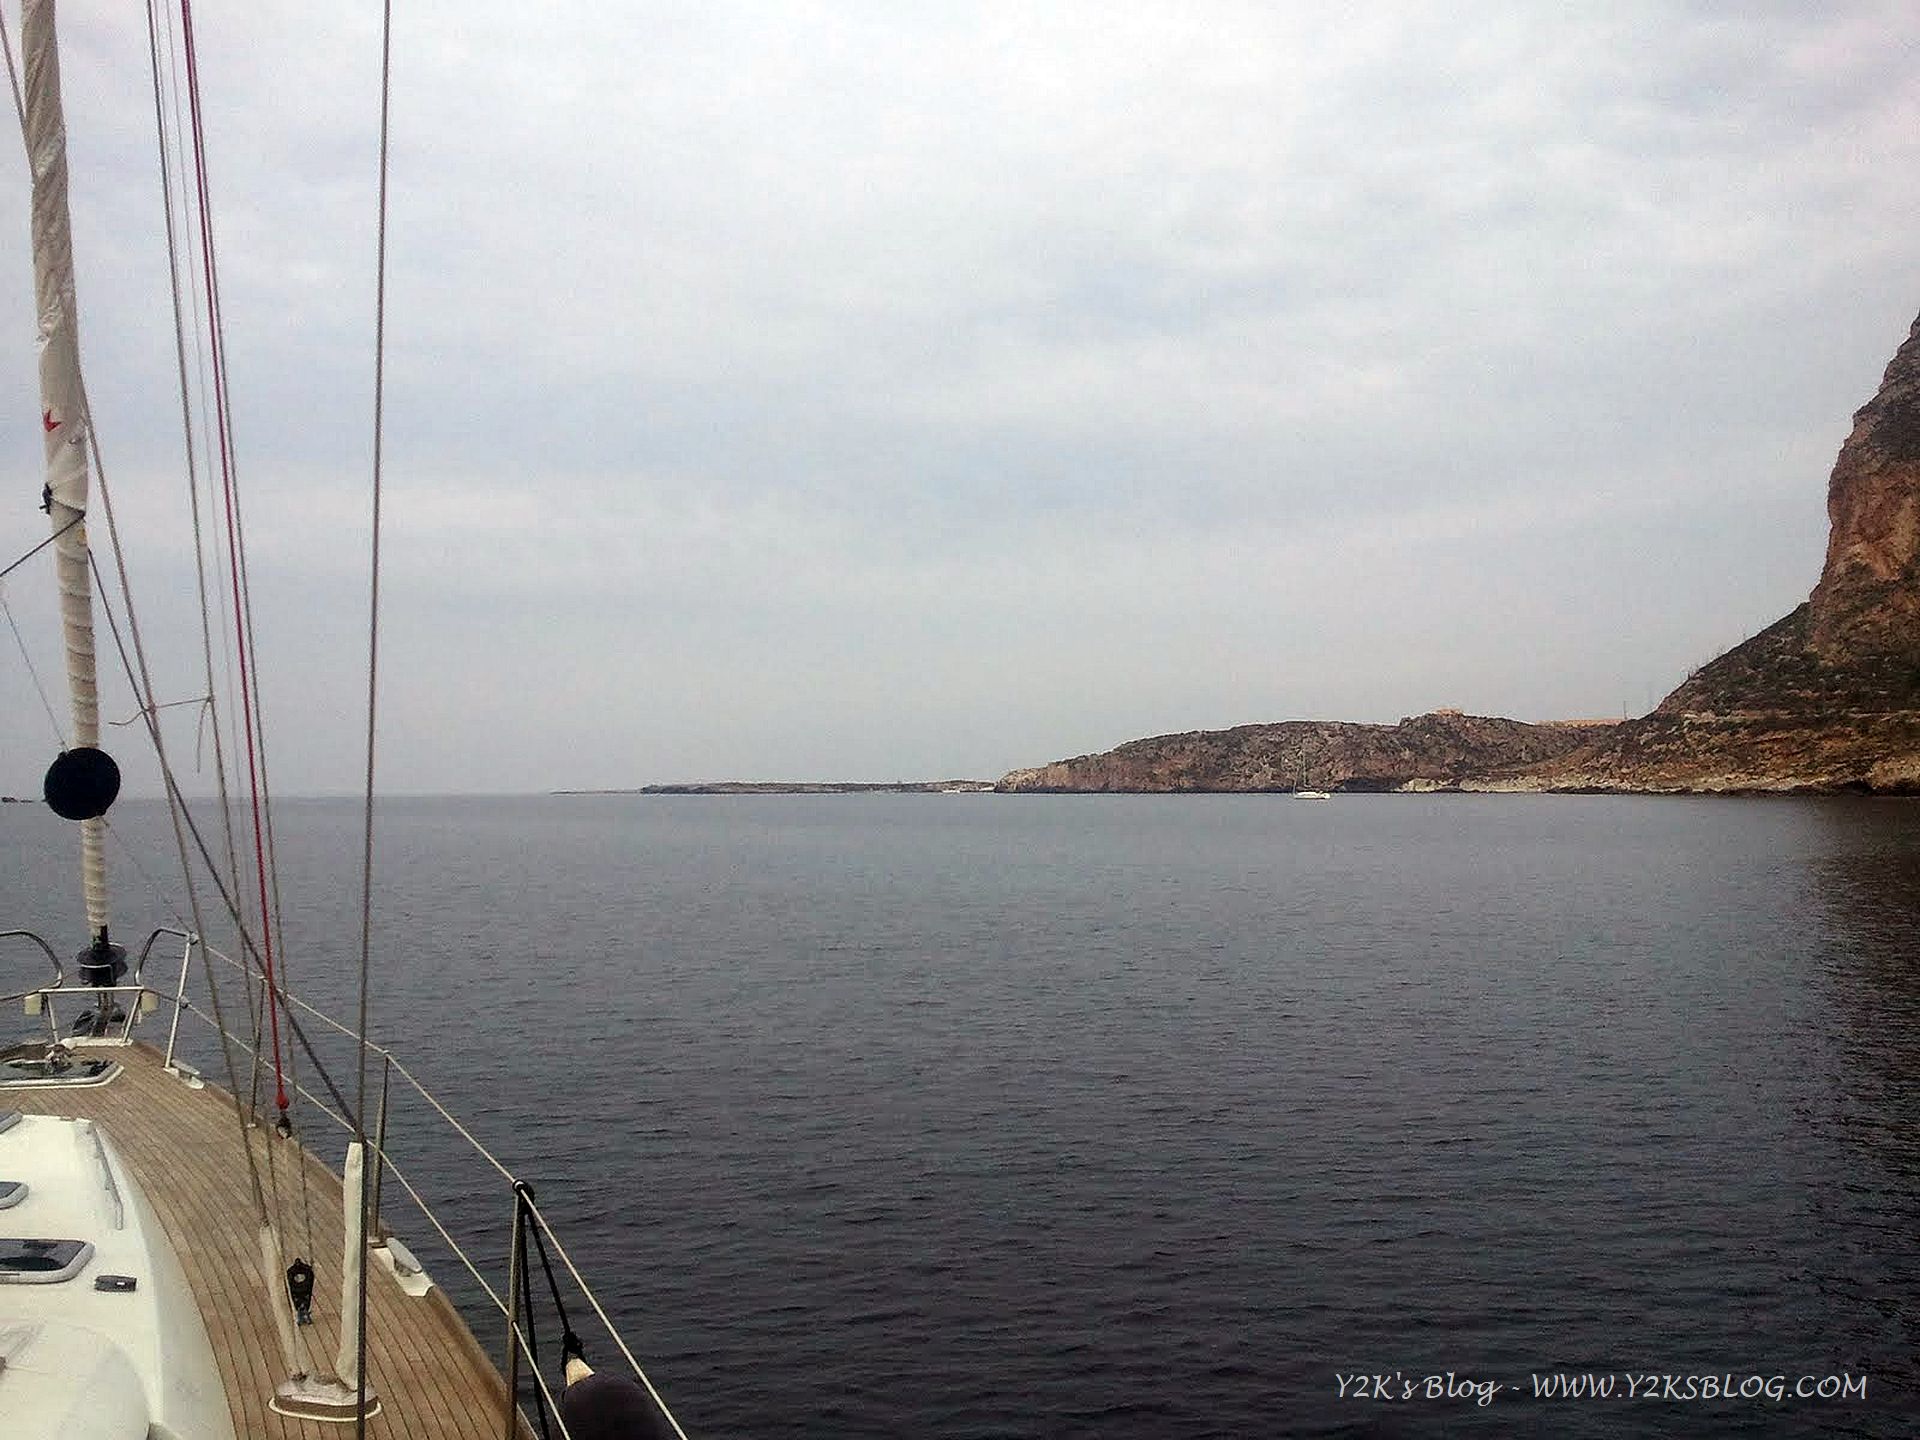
(1154, 1116)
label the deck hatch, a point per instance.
(27, 1066)
(42, 1262)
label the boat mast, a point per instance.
(66, 431)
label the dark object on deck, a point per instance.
(102, 963)
(300, 1290)
(611, 1407)
(81, 783)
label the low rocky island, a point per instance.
(1443, 750)
(805, 787)
(1825, 699)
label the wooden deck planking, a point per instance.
(182, 1147)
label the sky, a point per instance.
(866, 392)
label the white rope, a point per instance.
(447, 1115)
(314, 1100)
(427, 1212)
(405, 1074)
(533, 1369)
(425, 1094)
(434, 1220)
(386, 1161)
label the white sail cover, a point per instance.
(63, 414)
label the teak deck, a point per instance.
(182, 1146)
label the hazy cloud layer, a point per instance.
(860, 391)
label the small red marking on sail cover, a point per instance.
(47, 420)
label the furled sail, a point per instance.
(63, 410)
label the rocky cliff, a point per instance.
(1826, 698)
(1427, 752)
(1865, 611)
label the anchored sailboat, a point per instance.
(1301, 790)
(174, 1259)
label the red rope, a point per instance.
(216, 353)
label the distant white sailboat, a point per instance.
(1301, 791)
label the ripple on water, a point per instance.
(1126, 1117)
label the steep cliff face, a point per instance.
(1435, 751)
(1826, 698)
(1774, 713)
(1867, 604)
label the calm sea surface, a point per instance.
(1156, 1117)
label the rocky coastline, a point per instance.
(804, 787)
(1441, 750)
(1824, 700)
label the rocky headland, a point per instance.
(1442, 750)
(804, 787)
(1825, 699)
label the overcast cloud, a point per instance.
(859, 391)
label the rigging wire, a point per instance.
(33, 674)
(278, 973)
(177, 809)
(13, 75)
(288, 1085)
(180, 815)
(201, 700)
(373, 677)
(131, 854)
(201, 391)
(171, 147)
(42, 545)
(163, 138)
(342, 1117)
(177, 804)
(20, 111)
(389, 1165)
(242, 637)
(19, 639)
(593, 1301)
(167, 191)
(531, 1331)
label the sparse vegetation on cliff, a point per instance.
(1433, 751)
(1826, 698)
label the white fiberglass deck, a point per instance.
(180, 1146)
